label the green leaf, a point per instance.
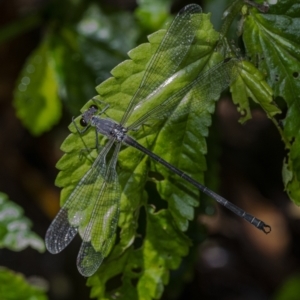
(143, 271)
(251, 84)
(289, 290)
(13, 286)
(186, 146)
(68, 64)
(36, 93)
(272, 43)
(15, 233)
(91, 47)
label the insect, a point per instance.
(99, 187)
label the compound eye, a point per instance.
(94, 106)
(82, 122)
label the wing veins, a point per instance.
(61, 232)
(92, 252)
(180, 33)
(209, 84)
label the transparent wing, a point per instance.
(100, 232)
(170, 53)
(194, 96)
(75, 211)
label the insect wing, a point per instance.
(170, 53)
(100, 232)
(196, 95)
(75, 212)
(210, 85)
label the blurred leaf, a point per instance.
(92, 47)
(36, 93)
(289, 290)
(13, 286)
(68, 62)
(152, 14)
(272, 43)
(251, 84)
(15, 233)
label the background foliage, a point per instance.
(75, 44)
(15, 234)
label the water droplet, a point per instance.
(30, 68)
(88, 27)
(22, 87)
(25, 80)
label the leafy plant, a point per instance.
(15, 234)
(92, 45)
(272, 43)
(124, 259)
(14, 286)
(269, 76)
(289, 289)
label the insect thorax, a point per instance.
(119, 132)
(109, 128)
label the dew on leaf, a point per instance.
(25, 80)
(103, 33)
(77, 218)
(30, 69)
(242, 112)
(22, 87)
(88, 27)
